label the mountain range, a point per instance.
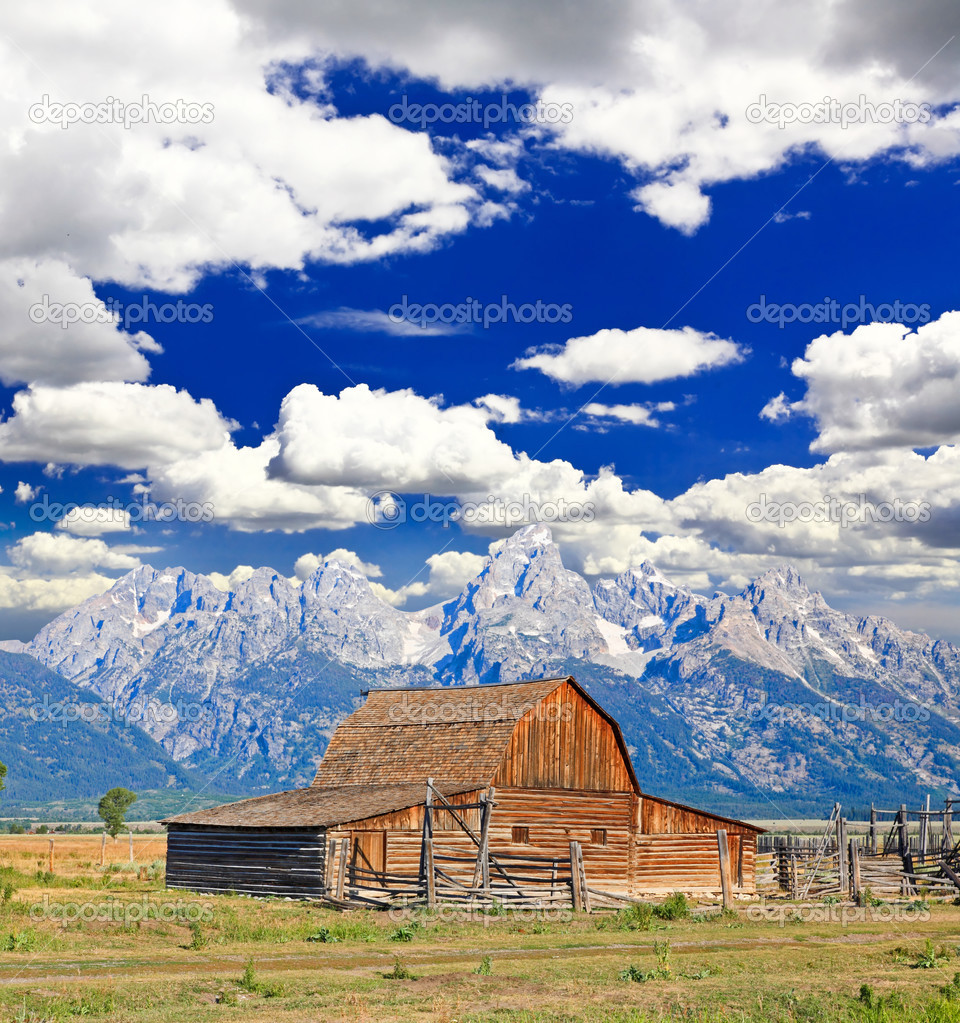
(763, 702)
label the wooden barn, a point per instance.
(521, 790)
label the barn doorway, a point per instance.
(368, 857)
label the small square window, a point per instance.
(521, 836)
(598, 836)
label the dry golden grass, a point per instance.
(76, 855)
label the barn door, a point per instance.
(368, 857)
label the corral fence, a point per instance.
(890, 860)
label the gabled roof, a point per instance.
(459, 733)
(316, 807)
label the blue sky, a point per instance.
(301, 213)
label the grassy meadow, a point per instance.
(113, 943)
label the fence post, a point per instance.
(431, 873)
(51, 855)
(873, 830)
(903, 845)
(575, 877)
(947, 828)
(924, 829)
(103, 848)
(329, 876)
(855, 869)
(723, 850)
(342, 865)
(842, 865)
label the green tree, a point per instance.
(3, 775)
(113, 809)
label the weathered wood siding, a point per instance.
(566, 743)
(660, 817)
(690, 863)
(556, 817)
(253, 861)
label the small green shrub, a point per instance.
(675, 907)
(399, 972)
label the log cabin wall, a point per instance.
(543, 822)
(253, 861)
(690, 863)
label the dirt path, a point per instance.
(79, 971)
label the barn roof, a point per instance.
(316, 807)
(455, 732)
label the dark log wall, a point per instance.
(254, 861)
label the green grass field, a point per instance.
(131, 950)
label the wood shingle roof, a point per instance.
(316, 807)
(458, 733)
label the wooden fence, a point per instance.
(890, 861)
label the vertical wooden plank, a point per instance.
(575, 878)
(856, 887)
(342, 865)
(485, 861)
(948, 828)
(924, 829)
(724, 852)
(431, 873)
(103, 849)
(842, 866)
(51, 856)
(873, 830)
(740, 840)
(584, 890)
(329, 876)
